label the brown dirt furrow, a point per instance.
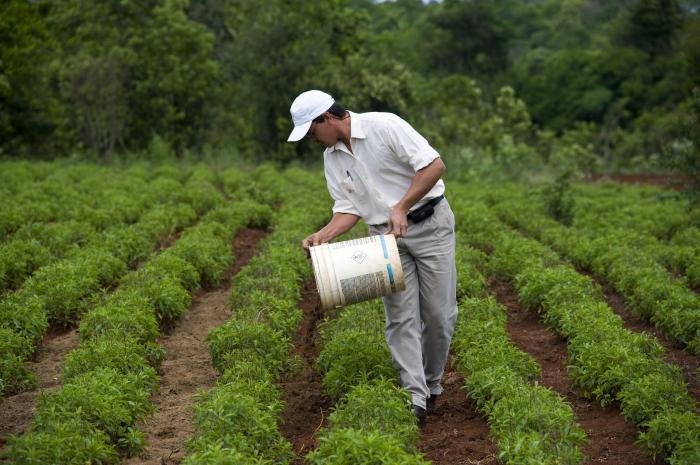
(18, 410)
(612, 439)
(456, 433)
(675, 354)
(676, 182)
(187, 366)
(306, 409)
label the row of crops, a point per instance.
(120, 289)
(619, 246)
(123, 277)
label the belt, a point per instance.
(420, 213)
(425, 210)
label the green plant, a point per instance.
(247, 339)
(14, 351)
(166, 297)
(351, 357)
(23, 312)
(166, 263)
(103, 398)
(127, 314)
(233, 418)
(675, 435)
(123, 355)
(216, 453)
(70, 442)
(347, 446)
(381, 406)
(559, 200)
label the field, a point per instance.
(167, 314)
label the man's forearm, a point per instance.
(339, 224)
(423, 181)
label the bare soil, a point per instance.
(187, 366)
(456, 434)
(306, 409)
(675, 354)
(612, 439)
(669, 181)
(18, 410)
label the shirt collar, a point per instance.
(357, 131)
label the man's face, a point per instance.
(322, 132)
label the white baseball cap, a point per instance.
(305, 108)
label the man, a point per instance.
(380, 169)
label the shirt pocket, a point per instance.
(353, 187)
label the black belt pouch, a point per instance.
(420, 214)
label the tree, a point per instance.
(129, 70)
(28, 111)
(467, 36)
(650, 25)
(175, 77)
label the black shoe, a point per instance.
(430, 404)
(420, 414)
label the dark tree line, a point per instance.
(502, 78)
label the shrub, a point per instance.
(126, 314)
(233, 418)
(538, 414)
(127, 243)
(14, 350)
(69, 442)
(356, 447)
(378, 406)
(23, 313)
(654, 393)
(559, 200)
(166, 263)
(103, 398)
(19, 259)
(281, 314)
(674, 434)
(210, 255)
(215, 453)
(246, 339)
(122, 355)
(165, 295)
(266, 392)
(351, 358)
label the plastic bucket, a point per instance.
(357, 270)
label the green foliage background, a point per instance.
(584, 85)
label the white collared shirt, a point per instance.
(386, 154)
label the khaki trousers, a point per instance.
(421, 319)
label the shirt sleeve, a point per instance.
(342, 203)
(407, 144)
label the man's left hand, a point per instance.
(398, 224)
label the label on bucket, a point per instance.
(356, 270)
(363, 287)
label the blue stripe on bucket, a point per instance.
(386, 252)
(391, 277)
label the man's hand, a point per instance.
(339, 224)
(313, 240)
(398, 224)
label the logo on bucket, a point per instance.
(356, 270)
(359, 256)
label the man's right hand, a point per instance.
(339, 224)
(312, 241)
